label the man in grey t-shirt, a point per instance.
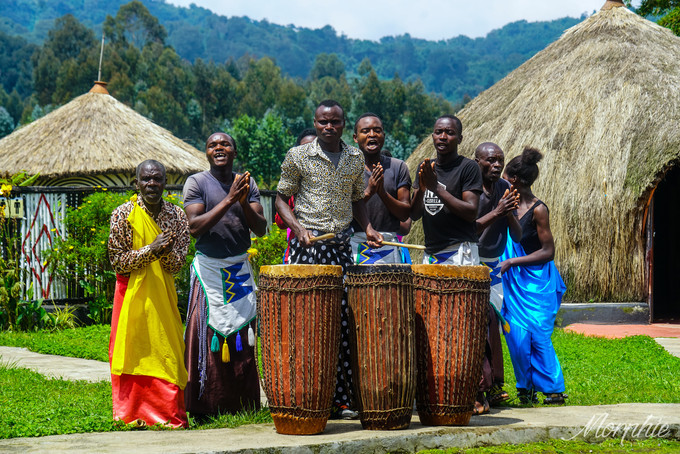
(222, 208)
(386, 195)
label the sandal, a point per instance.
(481, 408)
(527, 396)
(555, 399)
(496, 395)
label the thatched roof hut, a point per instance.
(603, 105)
(93, 136)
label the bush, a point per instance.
(268, 250)
(83, 254)
(15, 311)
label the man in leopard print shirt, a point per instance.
(148, 244)
(326, 176)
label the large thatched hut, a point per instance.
(95, 140)
(603, 105)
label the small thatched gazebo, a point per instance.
(603, 105)
(95, 140)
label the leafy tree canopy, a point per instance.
(134, 24)
(668, 12)
(263, 101)
(656, 7)
(471, 66)
(6, 122)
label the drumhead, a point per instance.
(277, 271)
(379, 268)
(480, 273)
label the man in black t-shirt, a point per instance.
(496, 212)
(447, 196)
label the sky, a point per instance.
(427, 19)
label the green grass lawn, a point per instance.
(31, 405)
(597, 371)
(600, 371)
(89, 342)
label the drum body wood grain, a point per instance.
(382, 327)
(451, 304)
(299, 311)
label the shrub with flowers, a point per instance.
(83, 254)
(268, 250)
(16, 309)
(5, 191)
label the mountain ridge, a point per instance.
(196, 32)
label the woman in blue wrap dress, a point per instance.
(532, 290)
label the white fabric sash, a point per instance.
(229, 289)
(362, 254)
(461, 254)
(496, 294)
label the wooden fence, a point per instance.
(41, 211)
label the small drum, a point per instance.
(451, 305)
(382, 328)
(299, 311)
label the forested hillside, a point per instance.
(471, 66)
(250, 98)
(158, 61)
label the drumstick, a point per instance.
(325, 236)
(406, 245)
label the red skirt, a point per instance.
(150, 399)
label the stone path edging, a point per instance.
(508, 425)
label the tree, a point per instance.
(12, 103)
(371, 96)
(45, 69)
(166, 111)
(421, 110)
(15, 61)
(672, 20)
(395, 104)
(195, 100)
(331, 88)
(135, 25)
(292, 101)
(69, 38)
(76, 76)
(169, 72)
(260, 87)
(327, 65)
(6, 122)
(261, 146)
(668, 9)
(66, 65)
(224, 91)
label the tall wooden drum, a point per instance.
(451, 305)
(299, 311)
(382, 327)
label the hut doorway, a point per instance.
(665, 298)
